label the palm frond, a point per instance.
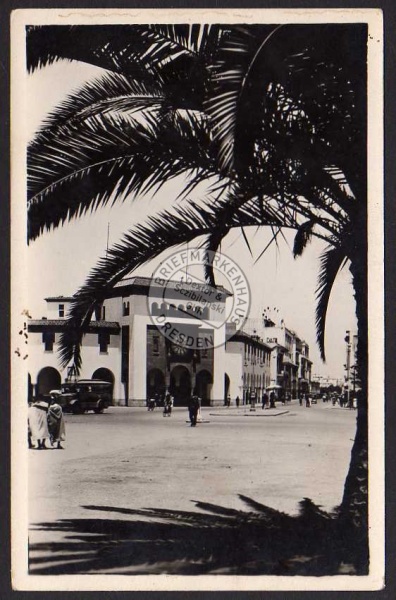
(212, 244)
(227, 76)
(303, 237)
(127, 49)
(273, 239)
(331, 261)
(245, 238)
(112, 92)
(104, 46)
(194, 39)
(312, 104)
(112, 156)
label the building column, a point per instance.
(219, 367)
(138, 361)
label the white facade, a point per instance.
(118, 345)
(248, 365)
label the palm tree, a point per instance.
(273, 117)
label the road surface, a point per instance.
(128, 459)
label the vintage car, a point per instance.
(85, 394)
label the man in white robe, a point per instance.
(37, 415)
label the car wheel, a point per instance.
(100, 408)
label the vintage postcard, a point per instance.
(197, 300)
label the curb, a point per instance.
(277, 414)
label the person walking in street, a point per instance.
(300, 399)
(307, 401)
(228, 401)
(37, 416)
(264, 401)
(237, 401)
(56, 423)
(168, 404)
(272, 399)
(193, 408)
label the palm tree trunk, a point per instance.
(354, 506)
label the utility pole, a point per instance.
(348, 363)
(253, 396)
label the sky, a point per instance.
(60, 260)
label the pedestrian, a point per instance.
(300, 399)
(199, 417)
(264, 401)
(193, 408)
(237, 401)
(228, 401)
(37, 415)
(272, 399)
(56, 423)
(30, 443)
(307, 401)
(168, 404)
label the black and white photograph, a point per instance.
(197, 300)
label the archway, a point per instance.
(180, 385)
(48, 379)
(155, 383)
(103, 374)
(226, 386)
(203, 385)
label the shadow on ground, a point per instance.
(261, 541)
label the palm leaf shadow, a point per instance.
(261, 541)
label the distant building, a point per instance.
(352, 383)
(291, 367)
(248, 368)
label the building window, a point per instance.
(156, 345)
(125, 309)
(104, 341)
(61, 310)
(48, 341)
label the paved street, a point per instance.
(128, 459)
